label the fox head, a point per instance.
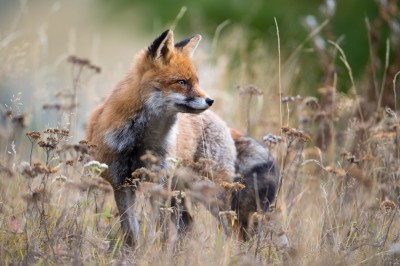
(169, 81)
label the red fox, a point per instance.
(159, 107)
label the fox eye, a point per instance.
(182, 82)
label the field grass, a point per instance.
(338, 154)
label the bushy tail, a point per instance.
(256, 169)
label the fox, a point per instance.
(159, 107)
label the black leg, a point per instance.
(181, 216)
(125, 198)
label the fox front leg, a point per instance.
(125, 198)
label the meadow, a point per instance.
(336, 144)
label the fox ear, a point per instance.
(189, 45)
(163, 46)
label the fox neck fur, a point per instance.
(149, 129)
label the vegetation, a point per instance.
(338, 153)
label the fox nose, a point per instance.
(209, 101)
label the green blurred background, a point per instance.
(256, 16)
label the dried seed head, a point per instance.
(388, 205)
(78, 61)
(52, 170)
(167, 210)
(149, 157)
(145, 174)
(83, 142)
(339, 172)
(226, 185)
(311, 102)
(52, 106)
(75, 60)
(249, 89)
(33, 135)
(178, 193)
(95, 167)
(288, 99)
(234, 186)
(305, 138)
(285, 129)
(65, 132)
(228, 215)
(272, 139)
(295, 134)
(178, 196)
(48, 131)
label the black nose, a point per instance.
(209, 101)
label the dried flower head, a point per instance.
(178, 196)
(149, 157)
(249, 89)
(145, 174)
(55, 106)
(230, 215)
(78, 61)
(388, 205)
(75, 60)
(83, 142)
(95, 167)
(52, 170)
(311, 102)
(271, 140)
(167, 210)
(234, 186)
(32, 171)
(288, 99)
(33, 135)
(339, 172)
(225, 185)
(53, 137)
(293, 133)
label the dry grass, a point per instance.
(340, 167)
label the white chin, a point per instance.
(187, 108)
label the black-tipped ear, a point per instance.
(188, 45)
(162, 46)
